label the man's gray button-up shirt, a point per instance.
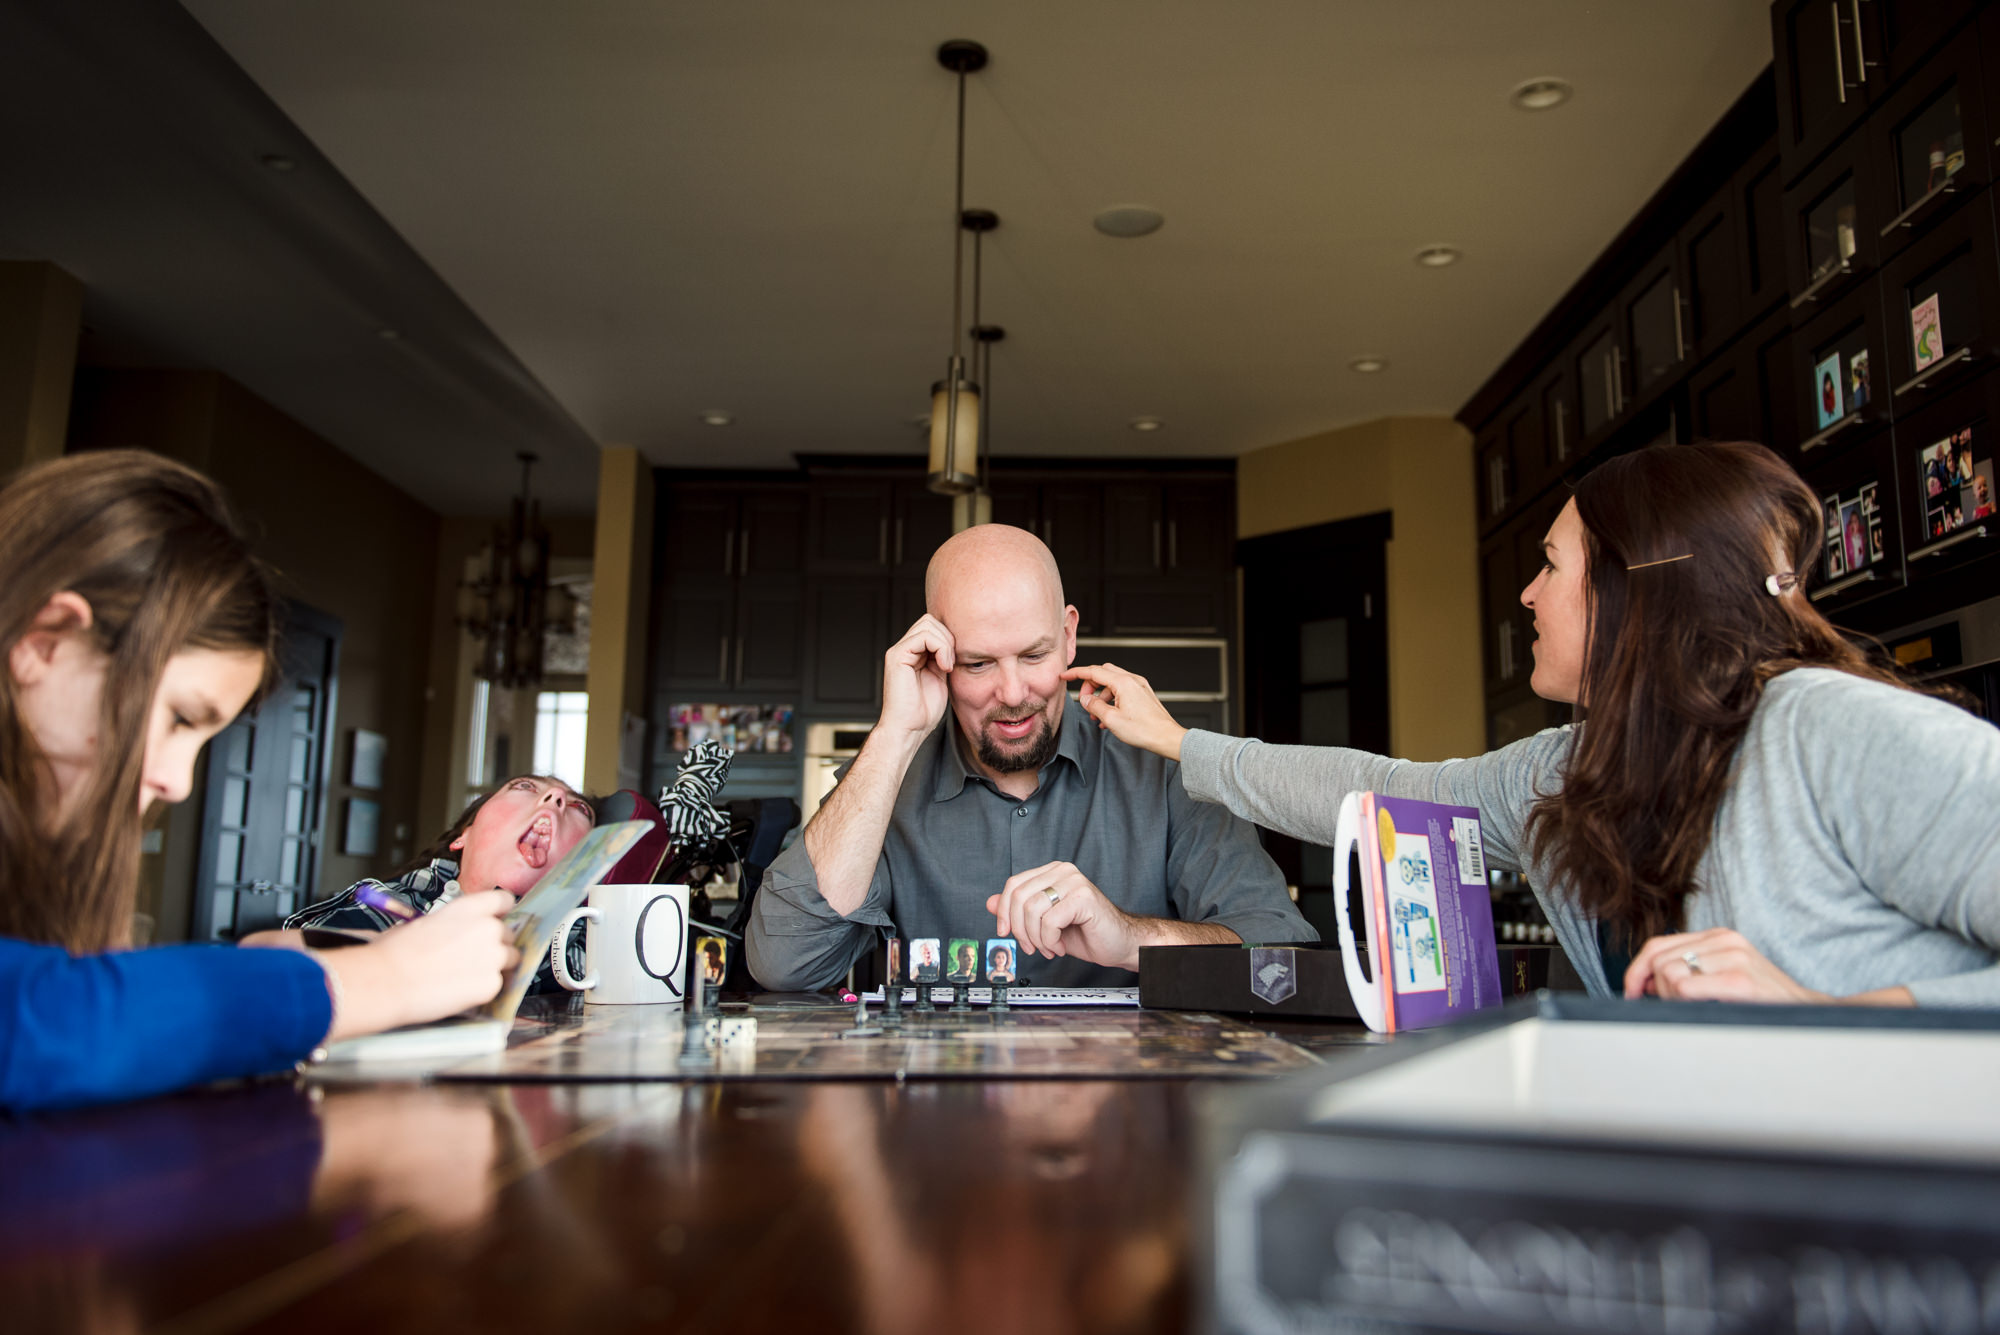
(1118, 813)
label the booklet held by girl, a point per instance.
(1418, 871)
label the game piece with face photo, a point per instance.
(892, 981)
(1001, 953)
(961, 971)
(711, 956)
(926, 967)
(962, 961)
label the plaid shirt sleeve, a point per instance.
(426, 887)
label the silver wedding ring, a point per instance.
(1693, 962)
(1055, 896)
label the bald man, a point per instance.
(986, 803)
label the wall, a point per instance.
(1419, 469)
(343, 541)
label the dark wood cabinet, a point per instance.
(1941, 300)
(1499, 629)
(1861, 551)
(921, 523)
(1950, 502)
(791, 591)
(1931, 144)
(1653, 327)
(1598, 367)
(1833, 227)
(1839, 374)
(1758, 191)
(727, 588)
(1827, 58)
(1711, 246)
(849, 528)
(848, 624)
(1493, 460)
(1907, 31)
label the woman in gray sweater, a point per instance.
(1747, 810)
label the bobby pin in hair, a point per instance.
(1663, 561)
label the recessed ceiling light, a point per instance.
(1541, 94)
(1128, 220)
(1369, 365)
(277, 162)
(1436, 257)
(716, 417)
(388, 335)
(1146, 424)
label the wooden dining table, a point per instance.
(969, 1200)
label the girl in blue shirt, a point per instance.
(136, 625)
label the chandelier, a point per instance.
(507, 602)
(954, 460)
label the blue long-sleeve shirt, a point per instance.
(99, 1028)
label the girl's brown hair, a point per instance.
(151, 546)
(1677, 656)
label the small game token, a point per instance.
(711, 956)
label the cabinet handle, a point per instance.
(728, 550)
(899, 541)
(1156, 544)
(1049, 534)
(1861, 60)
(1617, 378)
(738, 678)
(1562, 443)
(882, 544)
(1839, 66)
(743, 566)
(1680, 343)
(1173, 544)
(1505, 635)
(722, 660)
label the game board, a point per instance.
(646, 1043)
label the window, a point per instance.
(559, 726)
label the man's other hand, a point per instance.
(1055, 910)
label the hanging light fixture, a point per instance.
(507, 602)
(975, 507)
(954, 399)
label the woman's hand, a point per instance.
(1124, 704)
(1721, 965)
(447, 961)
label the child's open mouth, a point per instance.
(538, 840)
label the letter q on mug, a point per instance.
(635, 946)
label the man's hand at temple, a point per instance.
(1056, 910)
(916, 678)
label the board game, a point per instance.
(587, 1043)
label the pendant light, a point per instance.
(975, 507)
(954, 399)
(508, 603)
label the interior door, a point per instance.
(264, 806)
(1316, 662)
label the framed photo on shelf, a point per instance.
(1926, 332)
(1955, 483)
(1828, 400)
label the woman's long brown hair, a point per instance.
(1676, 658)
(151, 546)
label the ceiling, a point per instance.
(622, 213)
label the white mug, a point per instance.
(635, 946)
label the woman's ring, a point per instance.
(1693, 962)
(1053, 894)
